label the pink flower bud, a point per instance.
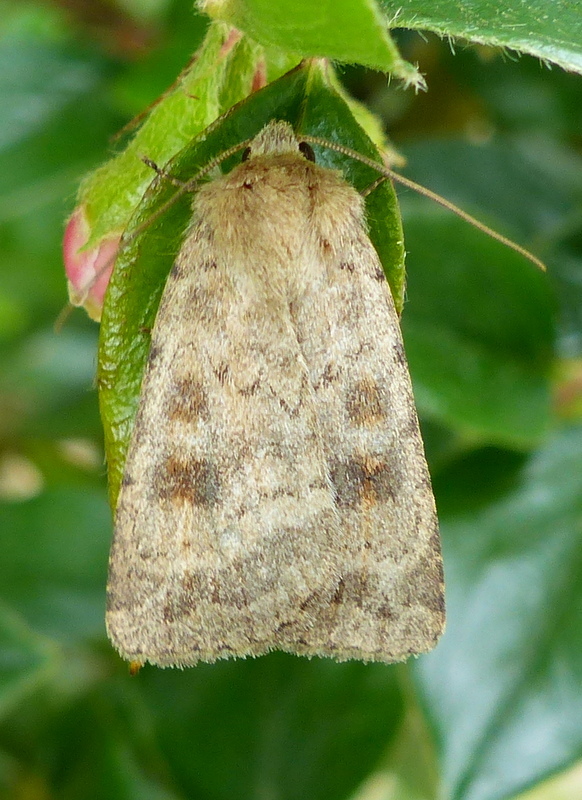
(88, 271)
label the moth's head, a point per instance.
(277, 138)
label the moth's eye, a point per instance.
(307, 151)
(245, 154)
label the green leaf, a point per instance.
(276, 726)
(219, 76)
(346, 30)
(503, 686)
(543, 28)
(302, 97)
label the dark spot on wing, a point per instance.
(347, 479)
(188, 401)
(364, 405)
(365, 480)
(192, 481)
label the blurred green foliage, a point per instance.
(495, 350)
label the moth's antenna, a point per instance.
(188, 186)
(442, 201)
(184, 188)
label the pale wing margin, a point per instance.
(226, 521)
(390, 599)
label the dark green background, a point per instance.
(495, 351)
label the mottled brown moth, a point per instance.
(276, 494)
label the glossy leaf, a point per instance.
(352, 31)
(503, 686)
(542, 28)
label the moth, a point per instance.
(276, 494)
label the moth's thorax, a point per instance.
(274, 206)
